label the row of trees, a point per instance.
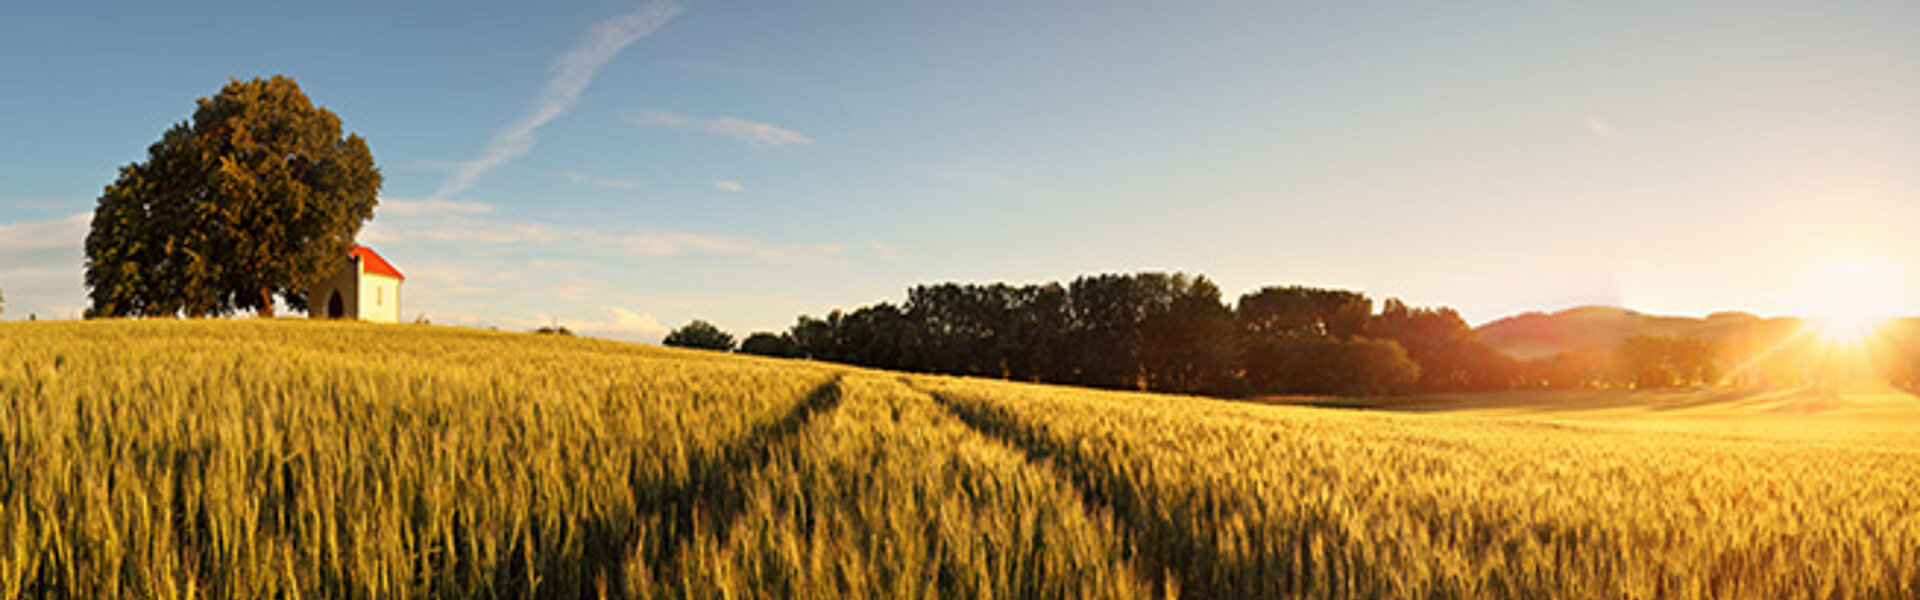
(1149, 331)
(1174, 333)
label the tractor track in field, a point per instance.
(1170, 573)
(709, 501)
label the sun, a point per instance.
(1847, 300)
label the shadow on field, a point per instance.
(1166, 553)
(706, 503)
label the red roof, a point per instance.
(374, 264)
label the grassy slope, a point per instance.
(250, 459)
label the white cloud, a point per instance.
(573, 71)
(753, 133)
(397, 207)
(1599, 126)
(887, 252)
(463, 279)
(42, 266)
(557, 264)
(637, 322)
(607, 182)
(469, 230)
(727, 185)
(70, 230)
(758, 134)
(670, 243)
(612, 322)
(458, 230)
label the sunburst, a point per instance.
(1846, 301)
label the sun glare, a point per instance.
(1846, 301)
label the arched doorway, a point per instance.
(336, 308)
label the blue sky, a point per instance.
(623, 167)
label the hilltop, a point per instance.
(1601, 329)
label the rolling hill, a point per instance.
(1601, 329)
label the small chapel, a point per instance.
(367, 288)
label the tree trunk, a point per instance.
(266, 303)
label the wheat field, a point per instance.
(294, 459)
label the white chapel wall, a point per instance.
(379, 298)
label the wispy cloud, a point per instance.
(606, 321)
(400, 207)
(887, 252)
(1599, 127)
(469, 230)
(572, 72)
(613, 321)
(757, 133)
(669, 243)
(42, 266)
(606, 182)
(67, 231)
(753, 133)
(728, 185)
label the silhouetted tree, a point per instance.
(1186, 335)
(878, 336)
(1105, 314)
(1303, 312)
(699, 334)
(1451, 358)
(1665, 362)
(777, 345)
(1163, 332)
(258, 196)
(1899, 355)
(1325, 366)
(966, 329)
(1036, 344)
(1301, 340)
(818, 339)
(1566, 370)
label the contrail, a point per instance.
(572, 72)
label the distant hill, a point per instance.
(1601, 329)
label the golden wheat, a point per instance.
(1257, 501)
(247, 459)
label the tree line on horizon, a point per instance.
(1165, 332)
(1174, 332)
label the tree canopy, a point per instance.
(699, 334)
(258, 196)
(763, 343)
(1168, 332)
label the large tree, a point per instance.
(258, 196)
(701, 335)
